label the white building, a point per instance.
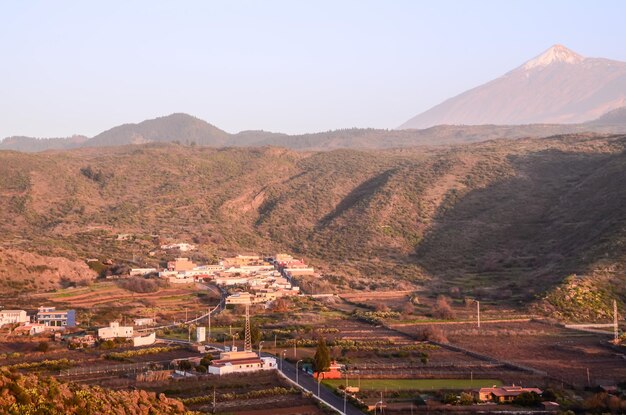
(239, 298)
(143, 321)
(144, 340)
(13, 316)
(237, 362)
(140, 272)
(200, 334)
(182, 247)
(115, 330)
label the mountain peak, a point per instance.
(556, 54)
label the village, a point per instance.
(258, 321)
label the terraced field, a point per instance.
(103, 301)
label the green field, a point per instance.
(414, 384)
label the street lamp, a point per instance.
(260, 347)
(282, 361)
(345, 393)
(297, 383)
(319, 381)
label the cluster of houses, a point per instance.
(257, 279)
(263, 280)
(46, 318)
(53, 320)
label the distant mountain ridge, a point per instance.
(175, 127)
(558, 86)
(31, 144)
(188, 130)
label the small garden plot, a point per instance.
(413, 384)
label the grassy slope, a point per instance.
(488, 217)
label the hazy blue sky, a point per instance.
(293, 66)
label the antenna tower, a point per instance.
(247, 345)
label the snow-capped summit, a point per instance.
(557, 87)
(557, 53)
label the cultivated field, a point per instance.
(413, 384)
(563, 353)
(105, 301)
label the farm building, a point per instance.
(115, 330)
(237, 362)
(12, 317)
(503, 394)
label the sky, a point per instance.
(81, 67)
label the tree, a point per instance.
(527, 399)
(184, 365)
(321, 359)
(466, 399)
(206, 360)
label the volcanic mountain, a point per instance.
(557, 87)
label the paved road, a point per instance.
(310, 384)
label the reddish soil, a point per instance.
(298, 410)
(563, 353)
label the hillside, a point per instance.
(557, 87)
(503, 220)
(175, 127)
(30, 394)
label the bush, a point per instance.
(466, 399)
(442, 309)
(433, 333)
(42, 347)
(527, 399)
(139, 285)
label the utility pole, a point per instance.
(209, 324)
(345, 394)
(615, 327)
(214, 399)
(588, 378)
(478, 312)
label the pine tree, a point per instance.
(322, 356)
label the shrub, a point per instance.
(139, 285)
(433, 333)
(466, 399)
(442, 309)
(42, 347)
